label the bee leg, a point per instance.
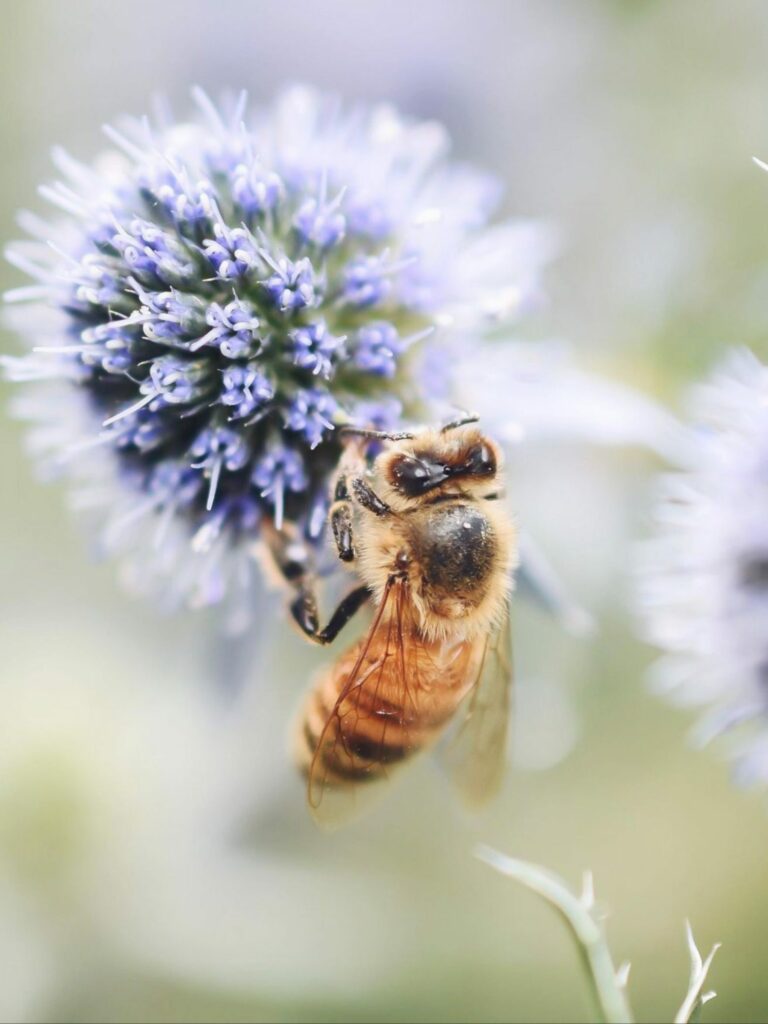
(341, 515)
(348, 606)
(368, 498)
(303, 609)
(340, 518)
(304, 612)
(292, 559)
(341, 527)
(289, 554)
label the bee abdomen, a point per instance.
(340, 755)
(355, 733)
(360, 738)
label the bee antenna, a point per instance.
(462, 421)
(377, 435)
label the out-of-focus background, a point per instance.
(156, 858)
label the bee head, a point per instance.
(459, 460)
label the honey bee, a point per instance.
(434, 550)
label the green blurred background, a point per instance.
(156, 859)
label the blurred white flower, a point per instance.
(703, 587)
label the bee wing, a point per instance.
(476, 755)
(375, 721)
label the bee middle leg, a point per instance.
(304, 611)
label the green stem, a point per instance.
(607, 985)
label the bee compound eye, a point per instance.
(411, 476)
(416, 475)
(410, 470)
(481, 461)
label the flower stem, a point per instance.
(608, 985)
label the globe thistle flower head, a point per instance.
(704, 577)
(218, 296)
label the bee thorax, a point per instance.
(457, 550)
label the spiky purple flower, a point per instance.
(314, 348)
(235, 330)
(377, 348)
(280, 471)
(218, 296)
(366, 281)
(292, 284)
(311, 414)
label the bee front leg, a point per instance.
(341, 527)
(340, 517)
(368, 498)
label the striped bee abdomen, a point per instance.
(375, 708)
